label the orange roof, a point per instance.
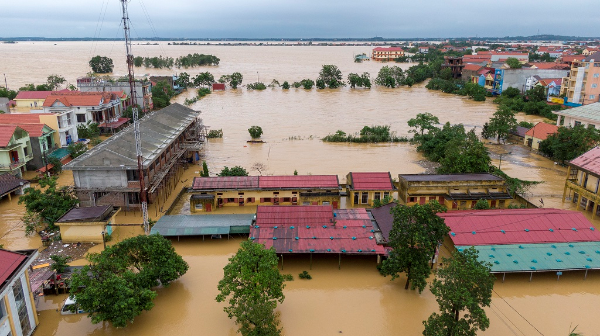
(549, 65)
(17, 118)
(76, 98)
(6, 133)
(472, 67)
(388, 49)
(542, 130)
(34, 130)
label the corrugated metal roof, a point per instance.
(372, 181)
(9, 263)
(225, 182)
(589, 161)
(84, 214)
(299, 181)
(540, 257)
(384, 219)
(449, 177)
(591, 112)
(518, 226)
(314, 229)
(201, 225)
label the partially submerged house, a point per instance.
(108, 173)
(87, 224)
(539, 133)
(583, 181)
(15, 149)
(11, 185)
(366, 187)
(226, 191)
(455, 191)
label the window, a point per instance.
(250, 200)
(133, 175)
(325, 203)
(25, 151)
(364, 199)
(21, 307)
(276, 193)
(2, 309)
(230, 200)
(596, 75)
(501, 203)
(80, 118)
(412, 199)
(265, 200)
(593, 87)
(377, 196)
(219, 194)
(356, 198)
(305, 203)
(241, 194)
(577, 123)
(286, 200)
(463, 204)
(592, 96)
(386, 194)
(133, 198)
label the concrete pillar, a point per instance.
(594, 209)
(558, 121)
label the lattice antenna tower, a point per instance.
(136, 122)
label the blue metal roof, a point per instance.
(540, 257)
(201, 225)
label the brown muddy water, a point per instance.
(355, 300)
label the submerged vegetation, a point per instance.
(190, 60)
(367, 134)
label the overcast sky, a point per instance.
(299, 18)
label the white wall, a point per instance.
(99, 178)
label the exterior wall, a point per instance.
(26, 104)
(386, 55)
(572, 121)
(18, 143)
(585, 188)
(10, 322)
(532, 142)
(52, 122)
(371, 195)
(517, 78)
(82, 232)
(100, 179)
(142, 90)
(253, 198)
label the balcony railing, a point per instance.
(13, 165)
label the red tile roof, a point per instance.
(542, 130)
(589, 161)
(572, 58)
(472, 67)
(519, 226)
(371, 181)
(6, 133)
(34, 130)
(76, 98)
(388, 49)
(314, 229)
(20, 118)
(225, 182)
(299, 181)
(547, 81)
(549, 65)
(33, 94)
(9, 263)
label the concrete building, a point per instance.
(386, 54)
(143, 88)
(470, 72)
(517, 78)
(4, 104)
(581, 85)
(582, 185)
(11, 185)
(41, 136)
(455, 191)
(108, 173)
(364, 188)
(87, 224)
(94, 107)
(210, 193)
(28, 100)
(538, 133)
(15, 149)
(455, 64)
(587, 115)
(18, 315)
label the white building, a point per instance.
(586, 115)
(18, 316)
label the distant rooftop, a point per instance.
(449, 177)
(86, 214)
(267, 182)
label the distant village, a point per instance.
(309, 215)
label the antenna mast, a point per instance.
(136, 122)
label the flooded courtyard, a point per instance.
(354, 300)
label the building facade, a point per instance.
(87, 224)
(582, 185)
(582, 84)
(143, 88)
(455, 191)
(587, 115)
(15, 150)
(18, 315)
(364, 188)
(386, 53)
(210, 193)
(538, 133)
(108, 173)
(87, 107)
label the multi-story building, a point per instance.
(583, 181)
(455, 191)
(28, 100)
(455, 64)
(108, 173)
(364, 188)
(251, 191)
(15, 149)
(41, 136)
(18, 315)
(582, 84)
(387, 53)
(517, 78)
(143, 88)
(587, 115)
(96, 107)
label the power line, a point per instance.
(505, 317)
(523, 317)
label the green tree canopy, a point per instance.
(161, 95)
(255, 131)
(331, 76)
(117, 284)
(252, 287)
(183, 80)
(465, 155)
(390, 76)
(101, 64)
(513, 63)
(462, 288)
(54, 81)
(49, 201)
(415, 235)
(233, 171)
(501, 124)
(204, 79)
(10, 94)
(570, 142)
(423, 122)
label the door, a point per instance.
(335, 204)
(208, 207)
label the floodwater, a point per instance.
(354, 300)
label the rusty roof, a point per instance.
(314, 229)
(589, 161)
(371, 181)
(542, 130)
(518, 226)
(86, 214)
(9, 263)
(225, 182)
(299, 181)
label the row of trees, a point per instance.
(368, 134)
(190, 60)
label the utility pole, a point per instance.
(136, 122)
(5, 82)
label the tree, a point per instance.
(252, 286)
(502, 123)
(511, 92)
(255, 132)
(415, 235)
(101, 64)
(570, 142)
(183, 80)
(204, 79)
(234, 171)
(76, 149)
(332, 76)
(49, 201)
(446, 74)
(320, 84)
(10, 94)
(390, 76)
(307, 84)
(465, 155)
(363, 80)
(513, 63)
(60, 263)
(54, 81)
(117, 284)
(161, 95)
(88, 130)
(204, 172)
(285, 85)
(423, 122)
(236, 79)
(463, 286)
(482, 205)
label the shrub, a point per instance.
(255, 132)
(305, 275)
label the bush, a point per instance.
(77, 149)
(256, 86)
(255, 132)
(307, 84)
(305, 275)
(212, 134)
(285, 85)
(234, 171)
(367, 134)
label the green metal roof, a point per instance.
(591, 112)
(540, 257)
(201, 225)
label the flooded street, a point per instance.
(355, 300)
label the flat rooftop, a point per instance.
(202, 225)
(449, 177)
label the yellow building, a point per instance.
(538, 133)
(234, 191)
(18, 315)
(364, 188)
(87, 224)
(455, 191)
(30, 100)
(583, 181)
